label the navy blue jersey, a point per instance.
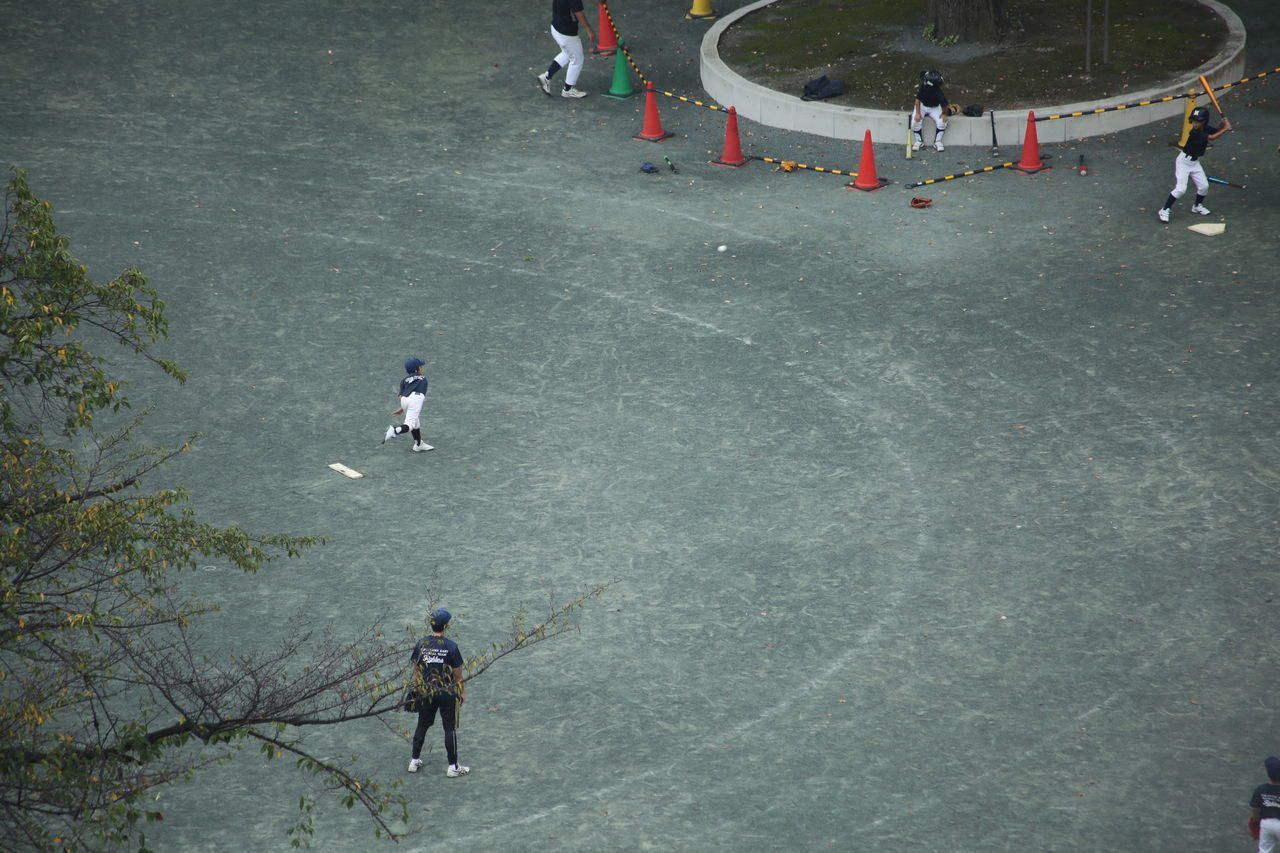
(1267, 798)
(437, 658)
(1198, 141)
(563, 17)
(414, 383)
(931, 96)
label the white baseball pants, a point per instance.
(570, 57)
(935, 113)
(412, 409)
(1269, 836)
(1183, 168)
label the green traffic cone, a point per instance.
(621, 88)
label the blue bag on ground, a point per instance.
(822, 87)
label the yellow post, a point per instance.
(1186, 118)
(701, 11)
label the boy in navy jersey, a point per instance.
(1265, 803)
(413, 393)
(931, 102)
(1187, 164)
(437, 677)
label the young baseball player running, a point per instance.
(1187, 163)
(413, 393)
(931, 102)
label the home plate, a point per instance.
(1210, 228)
(345, 471)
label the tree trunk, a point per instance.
(966, 20)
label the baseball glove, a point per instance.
(921, 203)
(952, 109)
(787, 165)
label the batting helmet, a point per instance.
(1200, 114)
(931, 78)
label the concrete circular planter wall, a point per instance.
(786, 110)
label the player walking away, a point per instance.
(566, 17)
(931, 102)
(437, 675)
(413, 393)
(1187, 164)
(1265, 803)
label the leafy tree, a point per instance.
(964, 20)
(104, 676)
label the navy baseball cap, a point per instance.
(412, 363)
(1273, 768)
(440, 617)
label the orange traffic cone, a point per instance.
(652, 130)
(732, 154)
(867, 180)
(1030, 162)
(606, 35)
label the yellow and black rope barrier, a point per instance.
(792, 165)
(1163, 100)
(644, 80)
(1101, 110)
(692, 101)
(960, 175)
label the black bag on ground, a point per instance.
(822, 87)
(973, 110)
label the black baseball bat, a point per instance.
(995, 149)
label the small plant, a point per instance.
(930, 33)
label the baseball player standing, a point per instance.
(413, 393)
(1187, 163)
(931, 102)
(437, 676)
(1265, 805)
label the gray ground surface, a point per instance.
(931, 530)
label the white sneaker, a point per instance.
(391, 433)
(544, 83)
(917, 145)
(421, 446)
(1200, 209)
(456, 770)
(414, 764)
(938, 146)
(1163, 213)
(573, 92)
